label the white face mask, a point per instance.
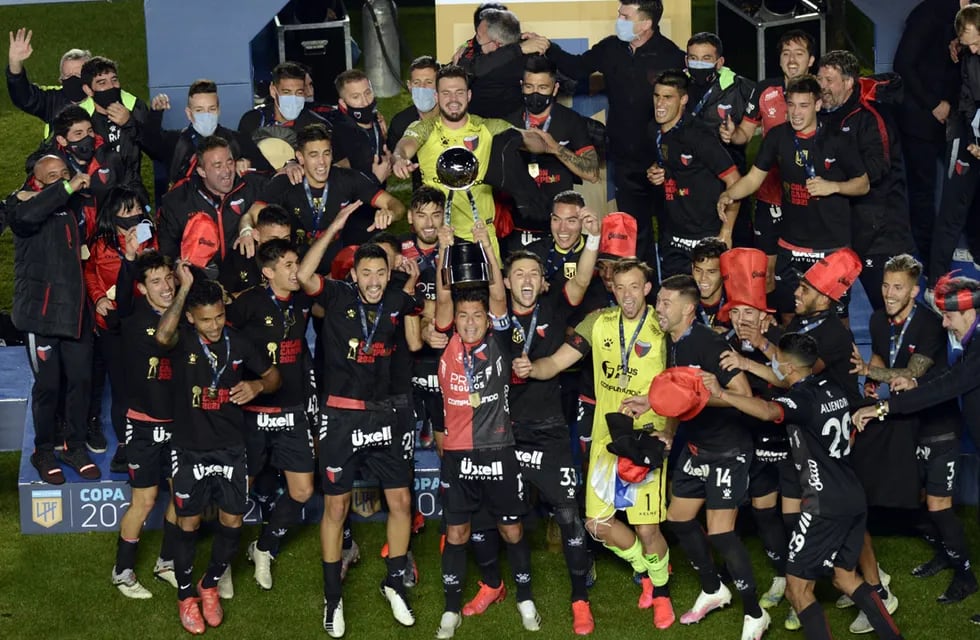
(205, 123)
(291, 106)
(624, 30)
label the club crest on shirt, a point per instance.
(641, 348)
(828, 163)
(686, 159)
(471, 142)
(962, 168)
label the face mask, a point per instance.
(291, 106)
(701, 71)
(424, 99)
(774, 365)
(84, 149)
(624, 30)
(364, 115)
(205, 123)
(128, 222)
(108, 96)
(308, 99)
(72, 86)
(536, 103)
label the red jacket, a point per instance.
(102, 269)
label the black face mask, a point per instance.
(364, 115)
(84, 149)
(128, 222)
(536, 103)
(703, 76)
(107, 97)
(72, 86)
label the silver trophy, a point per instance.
(457, 169)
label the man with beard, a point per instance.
(820, 171)
(43, 102)
(908, 343)
(277, 429)
(570, 157)
(767, 108)
(624, 371)
(358, 430)
(706, 270)
(879, 219)
(692, 166)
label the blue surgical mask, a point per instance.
(624, 30)
(291, 106)
(424, 98)
(774, 365)
(700, 64)
(205, 123)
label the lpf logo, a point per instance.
(46, 509)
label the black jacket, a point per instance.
(40, 102)
(496, 82)
(629, 78)
(49, 287)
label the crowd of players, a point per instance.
(690, 350)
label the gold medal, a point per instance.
(475, 400)
(533, 169)
(212, 393)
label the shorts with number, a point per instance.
(650, 505)
(548, 466)
(938, 463)
(720, 479)
(405, 418)
(766, 224)
(365, 443)
(282, 440)
(790, 267)
(821, 543)
(478, 479)
(147, 452)
(204, 478)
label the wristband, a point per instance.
(68, 188)
(592, 243)
(245, 231)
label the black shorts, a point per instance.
(767, 474)
(147, 452)
(820, 543)
(548, 466)
(790, 267)
(364, 443)
(204, 478)
(482, 478)
(405, 418)
(938, 463)
(720, 479)
(766, 224)
(282, 440)
(428, 408)
(675, 255)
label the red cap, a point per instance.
(835, 274)
(743, 272)
(630, 471)
(200, 240)
(678, 392)
(618, 237)
(343, 262)
(950, 297)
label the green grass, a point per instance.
(57, 586)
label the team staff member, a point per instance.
(820, 170)
(958, 300)
(422, 85)
(208, 361)
(624, 370)
(767, 108)
(150, 413)
(43, 102)
(570, 157)
(479, 465)
(51, 307)
(908, 343)
(277, 431)
(358, 430)
(358, 103)
(693, 168)
(829, 532)
(713, 471)
(629, 61)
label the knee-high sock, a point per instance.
(868, 601)
(223, 550)
(453, 575)
(695, 544)
(772, 532)
(519, 556)
(284, 515)
(184, 547)
(736, 556)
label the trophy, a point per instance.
(456, 169)
(465, 263)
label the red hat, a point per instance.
(743, 272)
(618, 237)
(200, 240)
(678, 392)
(343, 262)
(835, 274)
(952, 295)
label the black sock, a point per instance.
(577, 556)
(519, 556)
(881, 591)
(170, 531)
(453, 575)
(486, 551)
(396, 573)
(662, 592)
(126, 554)
(736, 556)
(772, 532)
(331, 582)
(184, 546)
(348, 535)
(814, 623)
(694, 542)
(868, 601)
(223, 550)
(953, 540)
(930, 533)
(265, 490)
(285, 514)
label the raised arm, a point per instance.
(306, 274)
(585, 269)
(166, 333)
